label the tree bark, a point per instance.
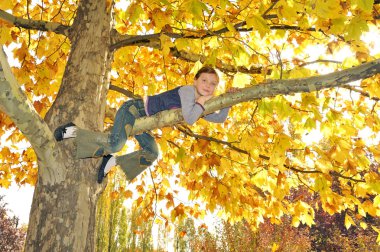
(62, 216)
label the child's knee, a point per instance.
(116, 143)
(148, 158)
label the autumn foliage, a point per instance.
(322, 143)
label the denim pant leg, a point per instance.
(149, 145)
(136, 162)
(122, 126)
(96, 144)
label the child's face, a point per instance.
(206, 84)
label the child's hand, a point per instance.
(233, 90)
(202, 99)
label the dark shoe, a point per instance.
(101, 174)
(58, 132)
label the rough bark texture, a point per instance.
(15, 104)
(34, 24)
(62, 216)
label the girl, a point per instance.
(190, 99)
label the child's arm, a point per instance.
(221, 116)
(218, 117)
(191, 110)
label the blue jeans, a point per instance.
(136, 162)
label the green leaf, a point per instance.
(338, 25)
(180, 154)
(310, 124)
(265, 107)
(320, 184)
(365, 5)
(135, 14)
(196, 7)
(356, 28)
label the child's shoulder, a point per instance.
(187, 89)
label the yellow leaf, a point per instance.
(348, 221)
(135, 11)
(378, 232)
(275, 247)
(286, 9)
(166, 43)
(5, 34)
(6, 4)
(181, 44)
(373, 89)
(196, 7)
(241, 80)
(320, 184)
(282, 143)
(363, 225)
(222, 190)
(160, 18)
(328, 8)
(165, 182)
(230, 27)
(295, 221)
(339, 154)
(310, 124)
(376, 201)
(258, 23)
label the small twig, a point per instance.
(304, 183)
(59, 11)
(124, 92)
(320, 61)
(269, 9)
(188, 132)
(361, 92)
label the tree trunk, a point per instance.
(62, 216)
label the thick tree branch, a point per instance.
(219, 64)
(16, 105)
(271, 89)
(153, 40)
(35, 24)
